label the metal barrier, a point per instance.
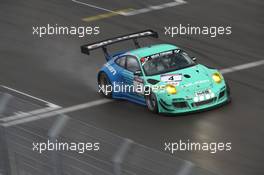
(116, 155)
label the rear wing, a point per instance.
(102, 44)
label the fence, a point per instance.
(107, 153)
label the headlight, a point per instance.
(217, 77)
(171, 89)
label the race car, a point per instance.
(162, 77)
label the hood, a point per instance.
(193, 78)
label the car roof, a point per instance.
(151, 50)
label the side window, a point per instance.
(132, 64)
(121, 62)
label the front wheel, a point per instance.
(151, 101)
(104, 85)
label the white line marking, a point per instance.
(20, 115)
(96, 7)
(138, 11)
(30, 96)
(59, 112)
(242, 67)
(154, 7)
(104, 101)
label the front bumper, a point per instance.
(172, 104)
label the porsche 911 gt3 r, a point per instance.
(162, 77)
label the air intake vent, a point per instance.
(152, 81)
(187, 76)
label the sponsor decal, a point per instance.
(167, 53)
(195, 83)
(173, 79)
(110, 68)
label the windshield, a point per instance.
(166, 62)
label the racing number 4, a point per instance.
(171, 78)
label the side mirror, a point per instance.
(138, 73)
(194, 58)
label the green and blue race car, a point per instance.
(162, 77)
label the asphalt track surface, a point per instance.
(53, 68)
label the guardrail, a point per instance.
(116, 155)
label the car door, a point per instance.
(121, 67)
(132, 81)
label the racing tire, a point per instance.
(152, 103)
(104, 85)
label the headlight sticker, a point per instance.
(203, 95)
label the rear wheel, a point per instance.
(151, 101)
(105, 86)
